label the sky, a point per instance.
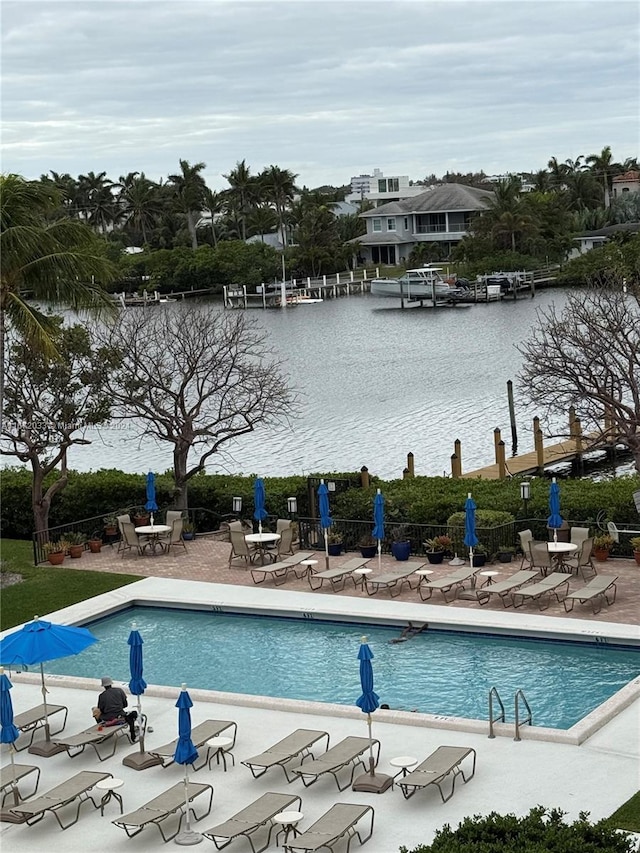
(326, 88)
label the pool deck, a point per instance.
(596, 776)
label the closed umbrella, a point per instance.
(325, 517)
(151, 504)
(259, 500)
(378, 521)
(470, 538)
(369, 702)
(555, 519)
(8, 731)
(37, 642)
(186, 754)
(139, 760)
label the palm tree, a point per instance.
(189, 187)
(514, 227)
(602, 165)
(95, 200)
(262, 220)
(213, 202)
(140, 202)
(241, 193)
(279, 185)
(59, 262)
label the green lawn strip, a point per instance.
(47, 588)
(628, 815)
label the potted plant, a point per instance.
(479, 555)
(437, 547)
(635, 544)
(141, 518)
(334, 543)
(601, 547)
(505, 553)
(75, 541)
(110, 525)
(368, 546)
(55, 551)
(400, 542)
(95, 542)
(188, 530)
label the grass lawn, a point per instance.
(628, 815)
(46, 588)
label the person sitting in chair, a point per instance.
(111, 707)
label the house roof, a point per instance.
(628, 176)
(448, 197)
(608, 230)
(380, 237)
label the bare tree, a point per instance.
(588, 357)
(196, 379)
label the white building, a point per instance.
(381, 189)
(627, 183)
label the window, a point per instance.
(391, 223)
(382, 186)
(377, 224)
(393, 185)
(406, 223)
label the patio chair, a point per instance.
(503, 589)
(76, 790)
(251, 819)
(130, 538)
(172, 515)
(526, 537)
(296, 745)
(334, 826)
(595, 592)
(393, 581)
(445, 761)
(455, 581)
(240, 548)
(284, 545)
(578, 535)
(542, 591)
(29, 722)
(337, 576)
(344, 755)
(170, 540)
(540, 558)
(582, 559)
(11, 775)
(200, 734)
(161, 808)
(120, 519)
(95, 737)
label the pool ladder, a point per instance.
(518, 698)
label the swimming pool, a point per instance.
(438, 672)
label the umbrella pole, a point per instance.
(16, 795)
(372, 771)
(47, 748)
(379, 555)
(326, 547)
(47, 729)
(141, 728)
(187, 836)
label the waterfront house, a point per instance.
(629, 182)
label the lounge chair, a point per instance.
(200, 734)
(445, 761)
(503, 589)
(337, 576)
(29, 722)
(161, 808)
(251, 819)
(95, 737)
(455, 581)
(336, 824)
(11, 775)
(75, 790)
(296, 745)
(595, 592)
(347, 753)
(393, 581)
(542, 591)
(277, 571)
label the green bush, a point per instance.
(541, 830)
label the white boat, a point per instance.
(422, 283)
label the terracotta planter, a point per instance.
(110, 530)
(95, 545)
(56, 558)
(75, 551)
(141, 520)
(601, 554)
(636, 556)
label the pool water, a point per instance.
(436, 672)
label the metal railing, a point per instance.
(493, 694)
(528, 720)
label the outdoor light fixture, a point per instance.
(237, 505)
(525, 491)
(292, 506)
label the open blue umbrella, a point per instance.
(555, 519)
(325, 517)
(151, 504)
(37, 642)
(470, 538)
(378, 522)
(9, 733)
(259, 500)
(369, 702)
(186, 754)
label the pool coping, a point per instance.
(165, 592)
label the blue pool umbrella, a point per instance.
(151, 504)
(378, 522)
(470, 538)
(555, 519)
(259, 500)
(138, 760)
(8, 731)
(325, 517)
(40, 641)
(186, 754)
(369, 702)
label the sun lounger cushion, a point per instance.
(393, 581)
(542, 591)
(74, 790)
(250, 820)
(33, 719)
(599, 590)
(11, 774)
(445, 761)
(346, 754)
(332, 827)
(161, 808)
(200, 734)
(297, 745)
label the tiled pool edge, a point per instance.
(192, 594)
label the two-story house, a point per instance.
(440, 215)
